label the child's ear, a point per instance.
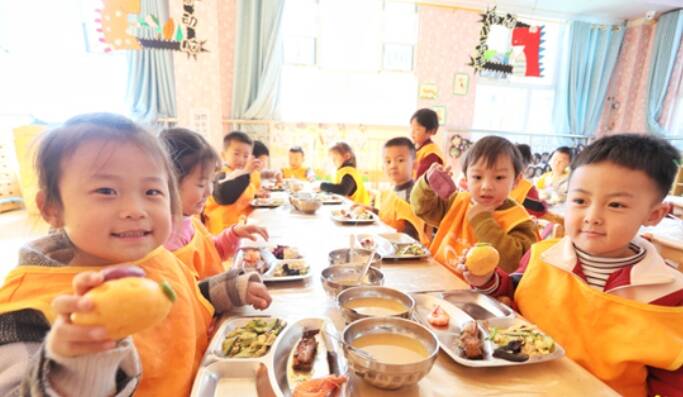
(517, 179)
(52, 213)
(658, 212)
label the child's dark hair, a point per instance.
(489, 149)
(187, 150)
(260, 149)
(343, 148)
(565, 150)
(654, 156)
(525, 153)
(58, 144)
(238, 136)
(296, 149)
(427, 118)
(401, 141)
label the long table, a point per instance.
(316, 235)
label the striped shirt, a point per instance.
(598, 269)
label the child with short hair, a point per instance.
(231, 199)
(553, 184)
(525, 192)
(424, 124)
(107, 188)
(296, 169)
(602, 292)
(484, 213)
(194, 163)
(347, 181)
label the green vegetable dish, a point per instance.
(534, 342)
(253, 339)
(411, 250)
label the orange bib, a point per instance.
(299, 173)
(520, 191)
(395, 212)
(170, 352)
(361, 195)
(455, 234)
(423, 152)
(200, 254)
(612, 337)
(221, 216)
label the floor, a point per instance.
(16, 228)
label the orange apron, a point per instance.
(361, 195)
(298, 173)
(170, 351)
(612, 337)
(395, 212)
(200, 254)
(520, 191)
(218, 217)
(423, 152)
(455, 234)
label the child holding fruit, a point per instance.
(107, 188)
(483, 213)
(194, 162)
(602, 292)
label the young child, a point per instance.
(423, 125)
(525, 192)
(484, 213)
(106, 186)
(296, 169)
(602, 292)
(347, 181)
(553, 184)
(231, 199)
(194, 163)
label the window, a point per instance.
(348, 61)
(522, 104)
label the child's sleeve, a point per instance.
(427, 162)
(227, 190)
(504, 284)
(664, 383)
(427, 204)
(228, 290)
(226, 243)
(346, 187)
(511, 246)
(534, 205)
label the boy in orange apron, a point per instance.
(603, 293)
(296, 169)
(424, 124)
(484, 213)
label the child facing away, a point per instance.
(235, 186)
(424, 124)
(296, 169)
(106, 186)
(552, 185)
(602, 292)
(347, 180)
(525, 192)
(483, 213)
(194, 162)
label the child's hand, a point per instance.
(70, 340)
(258, 296)
(471, 279)
(253, 164)
(477, 209)
(438, 167)
(262, 193)
(250, 231)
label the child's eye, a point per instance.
(476, 177)
(616, 205)
(578, 201)
(107, 191)
(500, 177)
(154, 192)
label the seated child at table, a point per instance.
(234, 187)
(525, 192)
(194, 162)
(347, 180)
(107, 187)
(552, 185)
(296, 169)
(423, 126)
(602, 292)
(483, 213)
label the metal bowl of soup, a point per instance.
(335, 279)
(362, 302)
(359, 257)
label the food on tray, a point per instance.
(294, 268)
(511, 352)
(354, 214)
(482, 259)
(267, 202)
(376, 306)
(392, 348)
(470, 342)
(367, 243)
(252, 260)
(329, 198)
(304, 353)
(438, 317)
(285, 252)
(320, 387)
(531, 342)
(253, 339)
(415, 249)
(127, 305)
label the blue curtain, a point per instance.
(592, 53)
(151, 82)
(258, 59)
(664, 49)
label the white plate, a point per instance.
(388, 244)
(267, 258)
(330, 198)
(352, 221)
(267, 203)
(270, 278)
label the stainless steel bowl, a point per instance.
(350, 294)
(390, 376)
(333, 278)
(360, 257)
(306, 203)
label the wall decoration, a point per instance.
(441, 112)
(461, 83)
(118, 18)
(457, 146)
(507, 46)
(428, 91)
